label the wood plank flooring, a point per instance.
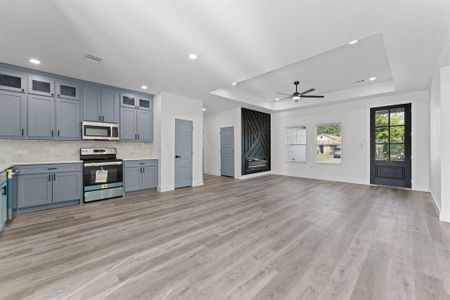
(271, 237)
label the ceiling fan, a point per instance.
(297, 96)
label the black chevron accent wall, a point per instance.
(255, 141)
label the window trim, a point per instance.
(287, 144)
(315, 143)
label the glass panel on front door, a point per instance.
(390, 134)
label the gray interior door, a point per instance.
(390, 145)
(227, 151)
(183, 153)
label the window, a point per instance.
(328, 141)
(296, 144)
(390, 134)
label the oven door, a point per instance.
(103, 174)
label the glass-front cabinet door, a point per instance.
(67, 90)
(12, 81)
(128, 100)
(145, 104)
(41, 85)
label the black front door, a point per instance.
(390, 145)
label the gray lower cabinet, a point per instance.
(13, 107)
(141, 175)
(66, 186)
(136, 125)
(34, 190)
(133, 179)
(100, 105)
(42, 186)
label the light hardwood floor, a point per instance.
(271, 237)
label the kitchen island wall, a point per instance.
(24, 151)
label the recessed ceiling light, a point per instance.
(193, 56)
(372, 78)
(34, 61)
(353, 42)
(234, 83)
(277, 99)
(144, 87)
(203, 109)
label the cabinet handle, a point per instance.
(23, 132)
(23, 90)
(53, 133)
(49, 177)
(54, 177)
(58, 132)
(143, 170)
(135, 136)
(99, 117)
(138, 136)
(51, 94)
(59, 95)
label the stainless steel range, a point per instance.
(103, 174)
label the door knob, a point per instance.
(177, 156)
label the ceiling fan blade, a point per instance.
(284, 94)
(312, 96)
(307, 91)
(285, 98)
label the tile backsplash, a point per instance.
(23, 151)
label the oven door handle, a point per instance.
(103, 164)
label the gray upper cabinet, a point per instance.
(13, 108)
(91, 104)
(66, 186)
(136, 118)
(41, 85)
(68, 119)
(128, 124)
(144, 125)
(34, 190)
(12, 81)
(41, 115)
(110, 106)
(67, 90)
(100, 105)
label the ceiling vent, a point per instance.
(94, 58)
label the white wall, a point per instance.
(355, 120)
(445, 143)
(435, 138)
(170, 107)
(213, 123)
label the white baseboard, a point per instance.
(197, 183)
(444, 217)
(212, 172)
(327, 178)
(436, 204)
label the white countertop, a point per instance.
(4, 167)
(148, 158)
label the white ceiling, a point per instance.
(147, 42)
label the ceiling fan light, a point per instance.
(296, 97)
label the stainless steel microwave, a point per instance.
(100, 131)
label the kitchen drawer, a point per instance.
(47, 168)
(141, 163)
